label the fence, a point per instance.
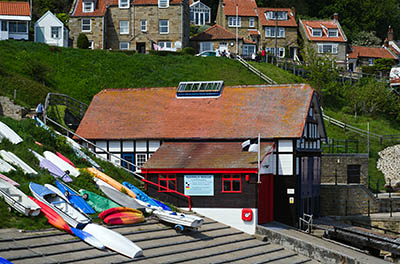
(255, 71)
(75, 107)
(341, 146)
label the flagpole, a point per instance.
(258, 163)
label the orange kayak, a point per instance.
(124, 218)
(115, 210)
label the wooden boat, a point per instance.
(97, 202)
(9, 180)
(63, 165)
(59, 204)
(180, 220)
(74, 198)
(114, 240)
(61, 156)
(13, 159)
(5, 167)
(17, 199)
(119, 197)
(145, 198)
(104, 177)
(8, 133)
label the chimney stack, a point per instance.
(336, 17)
(390, 35)
(293, 11)
(386, 43)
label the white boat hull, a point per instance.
(5, 167)
(8, 133)
(13, 159)
(65, 166)
(191, 221)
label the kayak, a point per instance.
(83, 155)
(14, 159)
(124, 218)
(74, 198)
(5, 167)
(115, 210)
(191, 221)
(54, 170)
(8, 133)
(97, 202)
(9, 180)
(145, 198)
(61, 156)
(63, 165)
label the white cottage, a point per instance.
(14, 20)
(50, 30)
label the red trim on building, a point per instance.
(167, 180)
(230, 179)
(199, 170)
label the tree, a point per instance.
(83, 41)
(365, 38)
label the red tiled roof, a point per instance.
(205, 155)
(239, 113)
(154, 2)
(15, 9)
(291, 22)
(369, 52)
(215, 32)
(254, 32)
(245, 7)
(328, 24)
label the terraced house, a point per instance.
(139, 25)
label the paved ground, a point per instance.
(212, 243)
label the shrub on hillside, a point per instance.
(83, 41)
(39, 71)
(189, 51)
(163, 52)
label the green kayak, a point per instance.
(97, 202)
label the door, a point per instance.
(265, 199)
(129, 157)
(353, 173)
(201, 22)
(39, 34)
(141, 47)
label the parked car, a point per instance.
(207, 53)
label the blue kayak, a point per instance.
(144, 197)
(4, 261)
(75, 199)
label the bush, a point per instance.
(83, 41)
(38, 71)
(189, 51)
(163, 52)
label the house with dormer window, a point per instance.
(14, 20)
(278, 29)
(200, 14)
(139, 25)
(326, 37)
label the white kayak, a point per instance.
(191, 221)
(8, 133)
(5, 167)
(17, 199)
(69, 140)
(114, 241)
(60, 205)
(14, 159)
(65, 166)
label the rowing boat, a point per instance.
(14, 159)
(63, 165)
(8, 133)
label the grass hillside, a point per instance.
(35, 69)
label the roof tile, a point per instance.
(369, 52)
(245, 7)
(15, 8)
(291, 22)
(328, 24)
(215, 32)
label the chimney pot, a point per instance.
(390, 36)
(336, 16)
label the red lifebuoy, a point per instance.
(247, 214)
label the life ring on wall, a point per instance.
(247, 214)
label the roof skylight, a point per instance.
(200, 89)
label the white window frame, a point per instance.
(233, 23)
(164, 45)
(90, 25)
(333, 30)
(270, 32)
(333, 47)
(4, 26)
(163, 26)
(316, 32)
(123, 3)
(163, 3)
(251, 22)
(206, 43)
(87, 7)
(281, 51)
(282, 15)
(246, 51)
(371, 61)
(143, 25)
(58, 33)
(17, 27)
(142, 161)
(123, 27)
(122, 43)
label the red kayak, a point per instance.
(124, 218)
(114, 210)
(52, 217)
(61, 156)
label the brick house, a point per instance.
(190, 140)
(281, 20)
(15, 18)
(359, 56)
(140, 25)
(326, 37)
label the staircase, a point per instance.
(255, 70)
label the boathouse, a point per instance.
(189, 141)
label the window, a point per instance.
(279, 15)
(270, 32)
(165, 45)
(199, 14)
(370, 61)
(143, 25)
(251, 22)
(86, 25)
(317, 32)
(141, 159)
(168, 181)
(88, 7)
(124, 45)
(17, 27)
(3, 25)
(163, 26)
(231, 183)
(123, 4)
(327, 48)
(332, 32)
(281, 51)
(123, 27)
(204, 46)
(248, 50)
(233, 22)
(163, 3)
(55, 32)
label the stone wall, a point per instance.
(336, 164)
(344, 199)
(113, 18)
(290, 39)
(95, 35)
(8, 108)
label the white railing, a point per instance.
(255, 70)
(306, 223)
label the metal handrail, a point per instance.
(255, 70)
(173, 191)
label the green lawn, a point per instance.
(277, 74)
